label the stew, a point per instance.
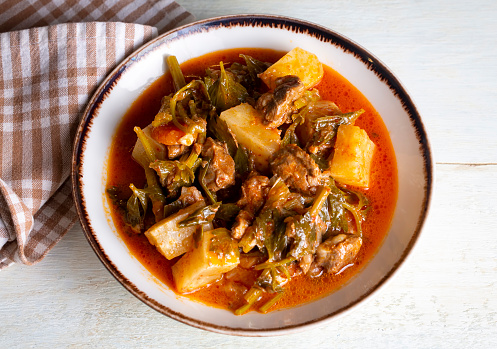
(252, 179)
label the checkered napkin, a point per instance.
(48, 72)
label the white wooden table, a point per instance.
(445, 296)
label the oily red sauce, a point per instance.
(122, 171)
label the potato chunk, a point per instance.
(354, 150)
(215, 254)
(297, 62)
(170, 240)
(246, 124)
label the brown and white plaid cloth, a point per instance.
(53, 55)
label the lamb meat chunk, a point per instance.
(175, 151)
(336, 253)
(242, 221)
(306, 262)
(277, 106)
(254, 194)
(190, 195)
(221, 171)
(297, 169)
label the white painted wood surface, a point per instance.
(445, 296)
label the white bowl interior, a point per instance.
(146, 66)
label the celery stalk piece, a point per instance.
(178, 77)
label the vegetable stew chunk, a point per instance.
(297, 169)
(214, 254)
(277, 106)
(190, 195)
(254, 193)
(296, 62)
(337, 252)
(169, 239)
(221, 171)
(140, 155)
(174, 151)
(354, 150)
(246, 124)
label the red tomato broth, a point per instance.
(123, 170)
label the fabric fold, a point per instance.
(48, 73)
(164, 15)
(53, 56)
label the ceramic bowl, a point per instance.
(362, 69)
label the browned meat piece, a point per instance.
(277, 106)
(320, 229)
(247, 261)
(306, 262)
(242, 221)
(221, 171)
(297, 169)
(254, 193)
(336, 253)
(174, 151)
(190, 195)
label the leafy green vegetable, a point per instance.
(272, 279)
(175, 174)
(176, 73)
(113, 193)
(270, 219)
(227, 212)
(336, 200)
(304, 226)
(250, 297)
(321, 161)
(254, 66)
(222, 244)
(242, 161)
(290, 137)
(277, 243)
(163, 116)
(326, 128)
(226, 92)
(219, 128)
(174, 207)
(263, 226)
(154, 191)
(155, 195)
(308, 97)
(265, 308)
(247, 74)
(201, 216)
(201, 178)
(136, 208)
(194, 90)
(149, 149)
(280, 263)
(341, 200)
